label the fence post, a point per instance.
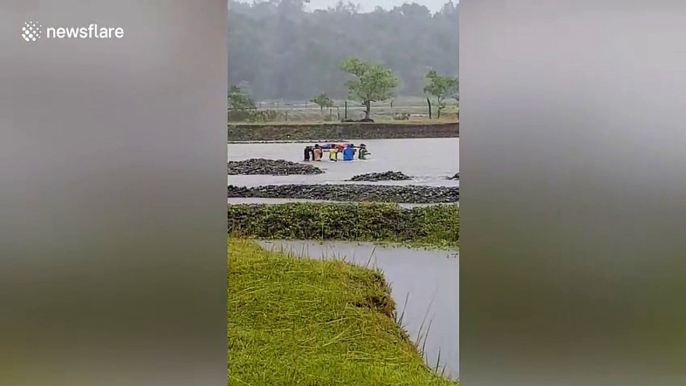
(346, 110)
(429, 103)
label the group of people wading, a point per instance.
(316, 152)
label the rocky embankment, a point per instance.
(410, 194)
(270, 167)
(386, 176)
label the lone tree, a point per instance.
(372, 83)
(240, 101)
(323, 101)
(442, 88)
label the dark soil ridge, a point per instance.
(410, 194)
(353, 130)
(263, 166)
(385, 176)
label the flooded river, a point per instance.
(424, 285)
(428, 160)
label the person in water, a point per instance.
(349, 152)
(317, 153)
(333, 153)
(363, 153)
(308, 153)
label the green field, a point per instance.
(304, 322)
(317, 122)
(381, 112)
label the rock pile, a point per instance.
(270, 167)
(386, 176)
(410, 194)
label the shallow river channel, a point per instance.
(428, 160)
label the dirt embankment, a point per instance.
(340, 131)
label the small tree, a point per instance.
(441, 87)
(323, 101)
(241, 106)
(240, 101)
(372, 83)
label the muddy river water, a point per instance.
(428, 160)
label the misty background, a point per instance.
(368, 6)
(290, 49)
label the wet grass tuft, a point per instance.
(294, 321)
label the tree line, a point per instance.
(278, 51)
(367, 82)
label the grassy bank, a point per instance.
(305, 322)
(432, 225)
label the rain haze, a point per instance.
(281, 51)
(343, 139)
(368, 6)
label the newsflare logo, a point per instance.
(32, 31)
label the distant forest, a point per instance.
(277, 50)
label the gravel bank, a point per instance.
(270, 167)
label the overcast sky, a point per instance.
(369, 5)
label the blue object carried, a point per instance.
(348, 153)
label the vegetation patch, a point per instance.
(294, 321)
(436, 225)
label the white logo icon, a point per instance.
(31, 31)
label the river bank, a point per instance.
(424, 284)
(295, 321)
(339, 131)
(270, 167)
(436, 226)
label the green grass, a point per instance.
(435, 226)
(314, 323)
